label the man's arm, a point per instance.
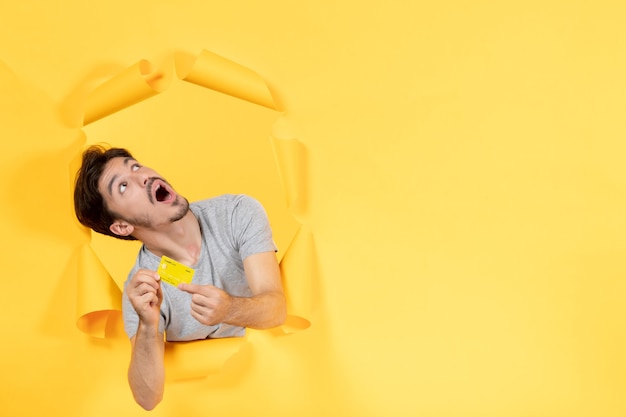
(266, 307)
(146, 372)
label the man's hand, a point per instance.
(265, 308)
(209, 305)
(145, 294)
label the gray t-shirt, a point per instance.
(233, 228)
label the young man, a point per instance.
(226, 240)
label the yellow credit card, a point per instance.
(174, 272)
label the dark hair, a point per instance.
(91, 209)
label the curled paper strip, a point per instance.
(99, 298)
(291, 160)
(142, 81)
(220, 74)
(300, 260)
(131, 86)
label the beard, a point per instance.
(183, 208)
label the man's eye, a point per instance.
(136, 167)
(122, 187)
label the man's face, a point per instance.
(139, 196)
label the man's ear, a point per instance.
(121, 228)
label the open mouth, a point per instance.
(161, 193)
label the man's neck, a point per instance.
(181, 240)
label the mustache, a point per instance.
(149, 185)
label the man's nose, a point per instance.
(142, 179)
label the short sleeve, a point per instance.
(251, 228)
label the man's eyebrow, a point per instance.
(110, 186)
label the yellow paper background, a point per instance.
(464, 196)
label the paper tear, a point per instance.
(99, 296)
(189, 360)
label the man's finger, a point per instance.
(146, 277)
(190, 288)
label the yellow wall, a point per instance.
(463, 183)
